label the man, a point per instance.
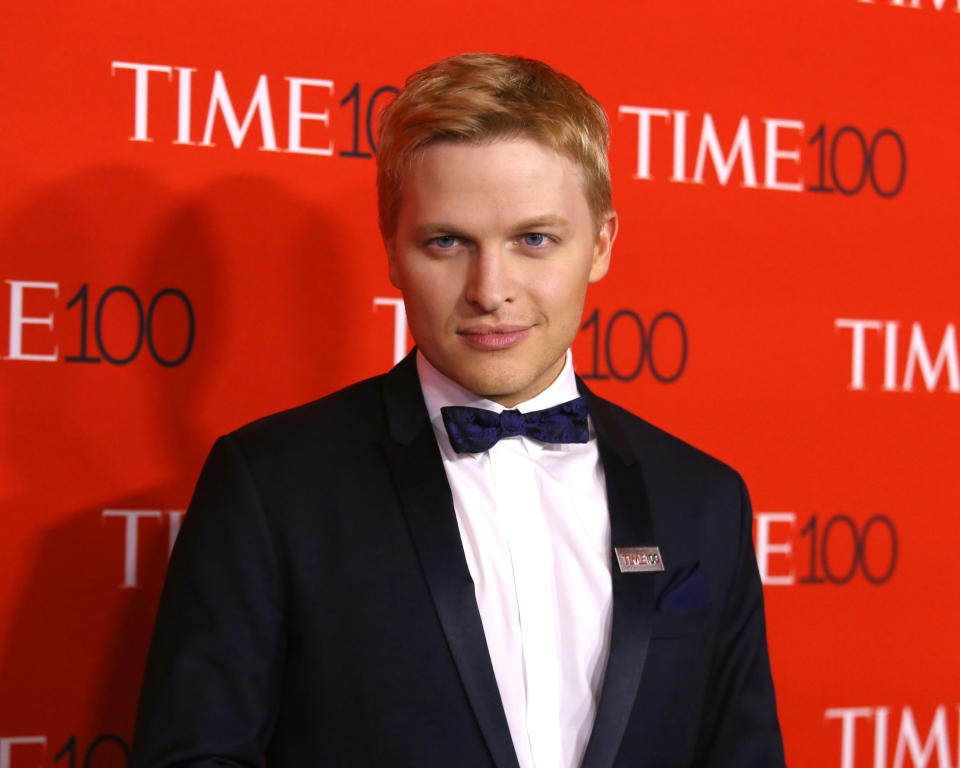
(439, 566)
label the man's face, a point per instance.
(494, 248)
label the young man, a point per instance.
(471, 560)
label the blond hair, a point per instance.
(477, 97)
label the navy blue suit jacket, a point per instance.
(318, 609)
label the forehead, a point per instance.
(493, 181)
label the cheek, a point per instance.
(429, 300)
(422, 277)
(427, 305)
(413, 283)
(562, 296)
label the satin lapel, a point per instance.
(630, 526)
(417, 470)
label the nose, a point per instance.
(489, 284)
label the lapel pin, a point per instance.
(639, 559)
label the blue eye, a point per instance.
(534, 239)
(445, 241)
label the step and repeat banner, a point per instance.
(188, 241)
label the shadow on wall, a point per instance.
(257, 266)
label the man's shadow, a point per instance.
(261, 269)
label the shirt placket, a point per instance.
(528, 538)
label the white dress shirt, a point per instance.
(536, 534)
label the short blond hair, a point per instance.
(477, 97)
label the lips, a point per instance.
(494, 337)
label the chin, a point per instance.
(489, 383)
(501, 387)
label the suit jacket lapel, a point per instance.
(417, 470)
(630, 526)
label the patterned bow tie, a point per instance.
(474, 429)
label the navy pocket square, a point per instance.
(686, 592)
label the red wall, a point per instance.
(814, 281)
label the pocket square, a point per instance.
(686, 592)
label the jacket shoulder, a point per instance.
(337, 423)
(658, 449)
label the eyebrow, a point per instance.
(536, 222)
(547, 220)
(430, 230)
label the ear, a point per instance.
(603, 245)
(389, 243)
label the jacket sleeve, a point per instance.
(215, 662)
(740, 727)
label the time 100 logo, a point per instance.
(834, 549)
(138, 331)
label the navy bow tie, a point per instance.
(474, 429)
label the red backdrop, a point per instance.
(783, 295)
